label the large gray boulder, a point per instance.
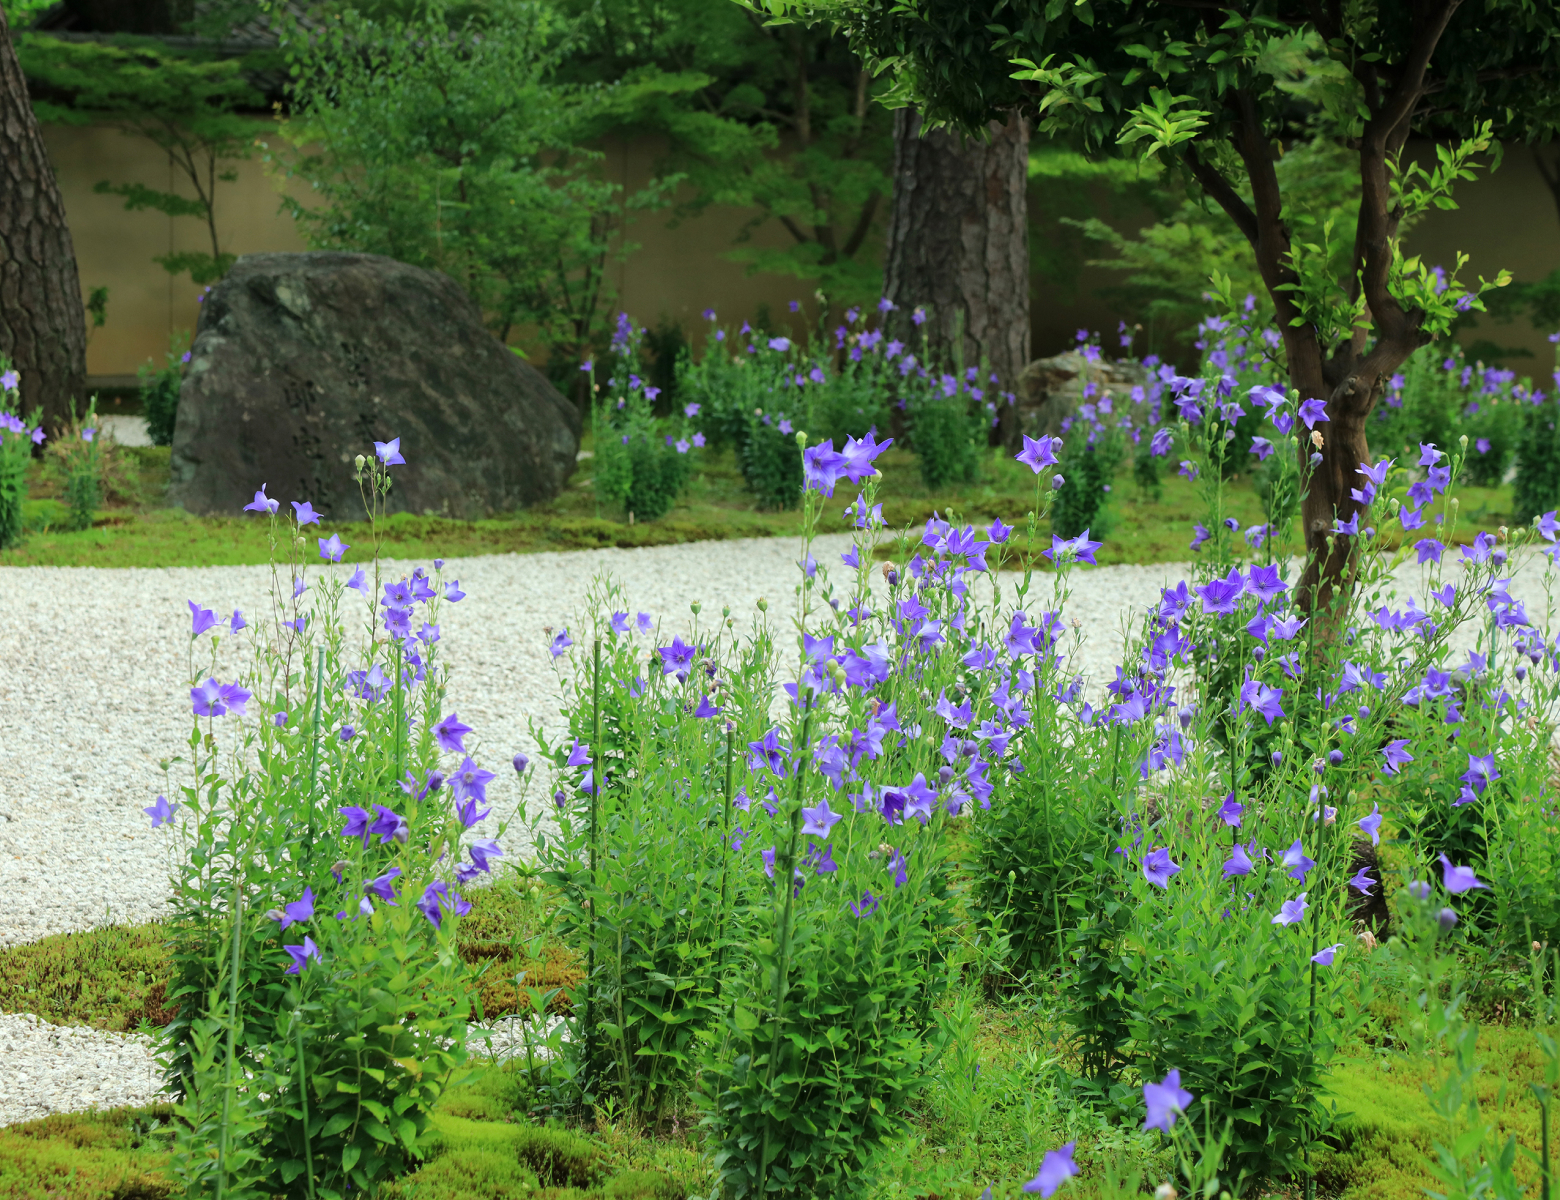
(1051, 389)
(302, 361)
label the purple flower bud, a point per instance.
(1185, 715)
(1056, 482)
(1446, 918)
(521, 763)
(1335, 757)
(1419, 889)
(347, 733)
(944, 774)
(1278, 757)
(559, 798)
(281, 720)
(435, 782)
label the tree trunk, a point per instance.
(42, 325)
(958, 244)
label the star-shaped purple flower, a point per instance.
(160, 811)
(1372, 824)
(1056, 1168)
(1158, 867)
(389, 453)
(816, 822)
(304, 513)
(298, 910)
(1165, 1101)
(301, 955)
(1397, 756)
(1291, 912)
(262, 503)
(470, 781)
(1458, 880)
(451, 733)
(1038, 453)
(201, 619)
(1313, 411)
(332, 548)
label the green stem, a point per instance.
(303, 1100)
(232, 1037)
(784, 872)
(400, 722)
(314, 754)
(725, 859)
(595, 791)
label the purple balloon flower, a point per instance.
(160, 811)
(1056, 1168)
(301, 955)
(1291, 912)
(470, 781)
(1158, 867)
(1324, 957)
(451, 733)
(304, 513)
(389, 825)
(816, 822)
(482, 852)
(1165, 1101)
(1362, 882)
(298, 910)
(1372, 824)
(1457, 880)
(389, 453)
(201, 619)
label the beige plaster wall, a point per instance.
(1504, 219)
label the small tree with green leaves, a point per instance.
(1210, 87)
(200, 112)
(447, 143)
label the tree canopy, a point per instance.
(1222, 89)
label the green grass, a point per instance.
(137, 531)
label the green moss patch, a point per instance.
(120, 1154)
(1387, 1128)
(114, 977)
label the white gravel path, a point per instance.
(93, 695)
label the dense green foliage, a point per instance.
(200, 111)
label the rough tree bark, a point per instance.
(42, 323)
(1351, 375)
(958, 241)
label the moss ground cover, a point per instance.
(486, 1147)
(135, 530)
(115, 977)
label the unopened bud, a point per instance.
(1056, 482)
(801, 438)
(1463, 441)
(360, 462)
(1446, 919)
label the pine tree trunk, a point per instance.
(958, 243)
(42, 325)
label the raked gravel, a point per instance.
(94, 694)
